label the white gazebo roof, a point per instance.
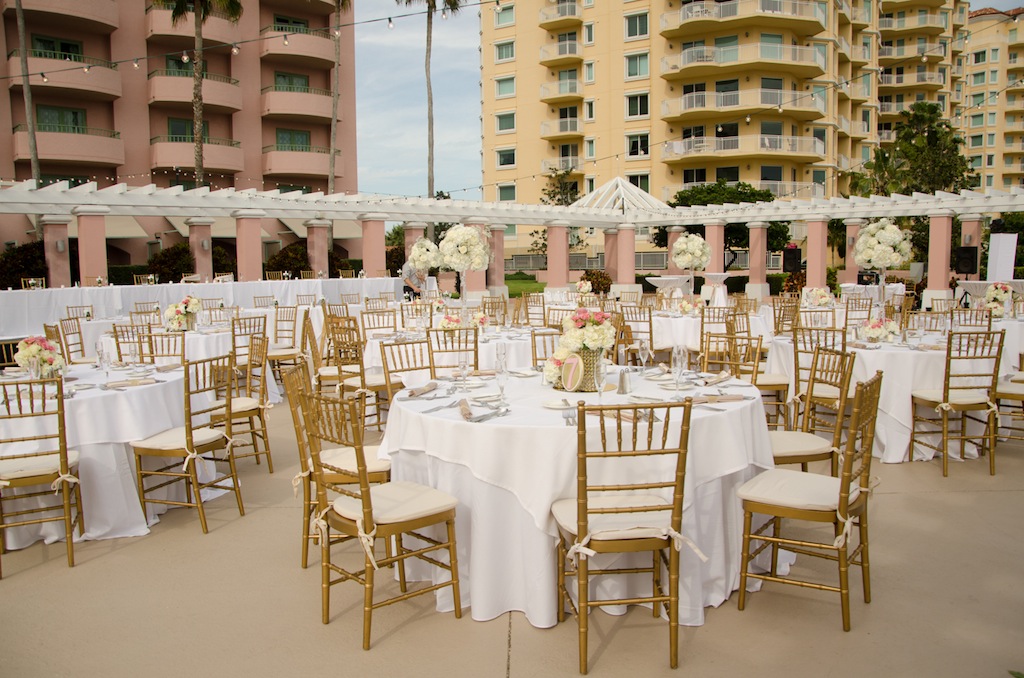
(619, 194)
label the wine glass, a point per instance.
(463, 374)
(679, 360)
(600, 371)
(642, 350)
(501, 377)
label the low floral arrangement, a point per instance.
(583, 330)
(880, 329)
(1000, 292)
(481, 319)
(39, 351)
(425, 255)
(179, 316)
(882, 244)
(451, 322)
(996, 309)
(438, 305)
(686, 307)
(465, 248)
(691, 252)
(818, 297)
(584, 286)
(99, 281)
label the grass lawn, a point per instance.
(517, 288)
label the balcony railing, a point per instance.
(65, 56)
(897, 79)
(189, 138)
(168, 6)
(743, 8)
(913, 21)
(753, 52)
(752, 97)
(70, 129)
(561, 88)
(176, 73)
(932, 49)
(562, 126)
(862, 15)
(568, 48)
(300, 89)
(862, 53)
(892, 106)
(748, 143)
(563, 10)
(561, 164)
(299, 148)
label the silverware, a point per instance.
(442, 407)
(104, 387)
(489, 415)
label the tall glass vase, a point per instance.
(881, 290)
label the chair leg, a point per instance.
(306, 509)
(945, 444)
(744, 559)
(844, 584)
(142, 487)
(325, 576)
(453, 559)
(367, 601)
(776, 532)
(234, 482)
(69, 526)
(193, 480)
(81, 514)
(583, 591)
(865, 564)
(673, 609)
(560, 581)
(992, 439)
(266, 441)
(400, 552)
(655, 579)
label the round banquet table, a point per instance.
(518, 353)
(678, 329)
(507, 472)
(99, 424)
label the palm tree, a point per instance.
(452, 6)
(30, 112)
(339, 7)
(201, 9)
(886, 174)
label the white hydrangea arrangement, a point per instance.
(449, 322)
(39, 351)
(691, 252)
(880, 329)
(465, 248)
(996, 309)
(686, 307)
(178, 316)
(882, 244)
(818, 297)
(438, 305)
(584, 286)
(996, 296)
(584, 329)
(425, 255)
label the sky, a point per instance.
(391, 100)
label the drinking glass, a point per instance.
(501, 377)
(679, 360)
(600, 371)
(133, 354)
(463, 374)
(500, 352)
(642, 350)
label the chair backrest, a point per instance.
(52, 334)
(943, 304)
(307, 275)
(146, 306)
(649, 300)
(638, 451)
(975, 318)
(263, 301)
(191, 278)
(226, 276)
(738, 323)
(126, 337)
(145, 279)
(816, 317)
(346, 346)
(145, 318)
(784, 310)
(310, 344)
(738, 354)
(335, 309)
(543, 342)
(805, 341)
(255, 370)
(7, 350)
(274, 275)
(79, 311)
(829, 384)
(402, 358)
(206, 381)
(640, 322)
(386, 296)
(161, 348)
(305, 299)
(629, 297)
(285, 318)
(346, 273)
(417, 313)
(210, 303)
(855, 466)
(375, 304)
(32, 420)
(337, 422)
(927, 321)
(241, 330)
(71, 331)
(379, 321)
(92, 281)
(350, 298)
(382, 273)
(972, 362)
(555, 316)
(496, 308)
(449, 348)
(430, 294)
(858, 311)
(224, 315)
(296, 387)
(534, 308)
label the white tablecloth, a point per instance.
(518, 353)
(674, 329)
(507, 472)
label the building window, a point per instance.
(979, 57)
(988, 180)
(641, 181)
(505, 87)
(993, 77)
(695, 176)
(977, 99)
(588, 110)
(990, 140)
(978, 78)
(589, 184)
(61, 119)
(990, 160)
(637, 66)
(589, 149)
(289, 82)
(993, 56)
(44, 47)
(991, 118)
(638, 105)
(636, 26)
(286, 23)
(588, 34)
(504, 51)
(588, 71)
(976, 140)
(505, 122)
(505, 16)
(588, 3)
(637, 145)
(978, 120)
(506, 157)
(289, 139)
(507, 192)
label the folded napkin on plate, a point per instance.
(724, 375)
(14, 370)
(168, 368)
(482, 373)
(729, 398)
(522, 373)
(422, 390)
(465, 410)
(863, 346)
(931, 347)
(131, 382)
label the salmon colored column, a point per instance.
(940, 230)
(249, 243)
(55, 247)
(849, 274)
(374, 251)
(757, 286)
(92, 240)
(476, 281)
(413, 231)
(611, 253)
(673, 234)
(970, 236)
(627, 255)
(558, 253)
(817, 251)
(496, 271)
(201, 245)
(316, 245)
(714, 234)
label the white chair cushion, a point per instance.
(280, 346)
(397, 502)
(344, 458)
(283, 354)
(372, 380)
(797, 443)
(34, 466)
(174, 439)
(771, 380)
(616, 525)
(238, 405)
(328, 372)
(794, 489)
(934, 395)
(1010, 390)
(83, 360)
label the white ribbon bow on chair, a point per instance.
(367, 541)
(62, 478)
(317, 519)
(297, 481)
(678, 539)
(579, 550)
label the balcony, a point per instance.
(860, 129)
(844, 48)
(561, 129)
(219, 155)
(803, 62)
(794, 190)
(562, 91)
(861, 54)
(1015, 87)
(561, 53)
(96, 80)
(98, 16)
(221, 94)
(893, 5)
(930, 24)
(218, 28)
(859, 91)
(700, 149)
(862, 16)
(886, 136)
(845, 11)
(801, 18)
(903, 80)
(298, 104)
(71, 145)
(571, 163)
(930, 51)
(296, 160)
(893, 107)
(561, 15)
(702, 105)
(294, 46)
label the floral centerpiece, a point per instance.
(451, 322)
(880, 329)
(818, 297)
(584, 286)
(464, 248)
(587, 333)
(438, 305)
(40, 353)
(882, 244)
(182, 316)
(425, 255)
(685, 306)
(997, 297)
(691, 252)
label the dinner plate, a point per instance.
(667, 376)
(83, 387)
(672, 387)
(558, 405)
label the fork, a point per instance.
(441, 407)
(104, 387)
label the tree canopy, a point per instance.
(560, 190)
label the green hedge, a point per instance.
(520, 275)
(125, 275)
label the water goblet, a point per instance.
(679, 360)
(642, 354)
(600, 371)
(501, 377)
(463, 374)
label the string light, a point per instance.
(184, 57)
(391, 24)
(86, 67)
(234, 49)
(444, 13)
(45, 79)
(135, 64)
(286, 39)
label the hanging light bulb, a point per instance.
(748, 119)
(234, 49)
(924, 58)
(780, 108)
(45, 79)
(444, 13)
(719, 128)
(391, 24)
(337, 32)
(135, 64)
(286, 39)
(86, 67)
(184, 57)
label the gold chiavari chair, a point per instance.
(629, 297)
(519, 311)
(378, 321)
(127, 338)
(386, 296)
(784, 310)
(830, 376)
(449, 348)
(79, 311)
(943, 304)
(805, 341)
(204, 379)
(589, 300)
(716, 353)
(347, 349)
(146, 306)
(649, 300)
(858, 311)
(191, 278)
(93, 281)
(555, 316)
(375, 304)
(346, 273)
(402, 357)
(1010, 400)
(927, 321)
(249, 404)
(641, 327)
(147, 319)
(224, 276)
(222, 316)
(33, 437)
(145, 279)
(816, 317)
(840, 501)
(496, 308)
(263, 301)
(274, 275)
(774, 387)
(8, 348)
(305, 299)
(430, 294)
(624, 478)
(350, 298)
(348, 323)
(534, 312)
(307, 275)
(544, 342)
(417, 314)
(323, 374)
(389, 511)
(971, 318)
(713, 319)
(335, 309)
(52, 334)
(210, 303)
(161, 348)
(285, 350)
(71, 334)
(970, 386)
(382, 273)
(241, 330)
